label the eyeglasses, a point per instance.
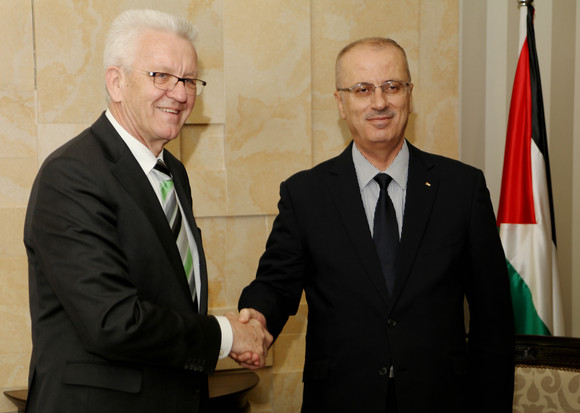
(167, 81)
(389, 88)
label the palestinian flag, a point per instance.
(526, 212)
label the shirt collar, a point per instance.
(144, 156)
(398, 170)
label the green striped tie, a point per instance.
(173, 214)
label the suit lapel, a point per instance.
(128, 172)
(345, 192)
(422, 185)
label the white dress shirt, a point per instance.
(369, 188)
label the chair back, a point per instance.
(547, 375)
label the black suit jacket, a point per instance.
(450, 248)
(113, 324)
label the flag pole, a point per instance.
(523, 6)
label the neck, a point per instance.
(382, 155)
(154, 146)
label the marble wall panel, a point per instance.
(266, 112)
(439, 44)
(14, 305)
(15, 341)
(12, 224)
(53, 135)
(436, 93)
(287, 390)
(17, 167)
(297, 323)
(268, 108)
(14, 374)
(17, 124)
(207, 16)
(16, 47)
(232, 247)
(330, 134)
(69, 48)
(202, 147)
(335, 23)
(202, 152)
(174, 146)
(289, 355)
(208, 189)
(16, 177)
(439, 124)
(69, 45)
(246, 238)
(213, 233)
(260, 397)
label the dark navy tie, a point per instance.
(386, 231)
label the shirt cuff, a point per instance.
(227, 336)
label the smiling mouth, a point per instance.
(167, 110)
(380, 120)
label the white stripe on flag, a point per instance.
(530, 250)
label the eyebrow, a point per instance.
(169, 72)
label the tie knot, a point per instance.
(161, 167)
(383, 180)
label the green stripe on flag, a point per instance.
(526, 317)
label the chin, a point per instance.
(379, 140)
(170, 133)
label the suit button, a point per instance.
(383, 371)
(391, 323)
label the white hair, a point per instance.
(127, 28)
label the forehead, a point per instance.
(373, 64)
(165, 50)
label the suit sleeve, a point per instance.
(80, 264)
(277, 289)
(491, 330)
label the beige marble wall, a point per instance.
(267, 112)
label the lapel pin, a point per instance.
(427, 183)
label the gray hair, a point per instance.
(127, 28)
(376, 42)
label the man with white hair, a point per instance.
(117, 273)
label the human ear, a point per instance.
(114, 81)
(338, 98)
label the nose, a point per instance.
(178, 92)
(379, 98)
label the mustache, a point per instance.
(388, 113)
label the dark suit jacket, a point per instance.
(114, 328)
(321, 243)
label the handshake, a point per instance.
(251, 338)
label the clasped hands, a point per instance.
(251, 338)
